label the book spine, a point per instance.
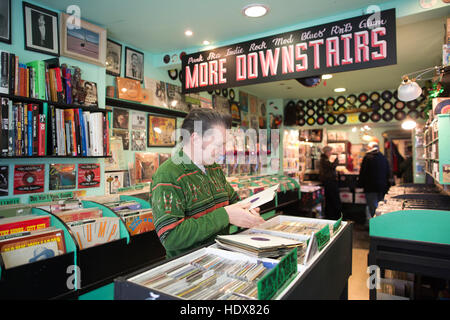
(30, 130)
(16, 83)
(105, 135)
(47, 86)
(16, 128)
(59, 86)
(19, 131)
(4, 72)
(41, 136)
(4, 126)
(82, 133)
(75, 140)
(53, 134)
(91, 135)
(77, 130)
(12, 72)
(68, 138)
(27, 82)
(35, 113)
(12, 126)
(21, 80)
(25, 129)
(87, 134)
(45, 114)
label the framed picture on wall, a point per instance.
(134, 64)
(41, 29)
(5, 21)
(86, 42)
(113, 58)
(161, 131)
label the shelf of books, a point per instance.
(284, 258)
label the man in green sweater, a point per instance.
(192, 201)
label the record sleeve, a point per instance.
(4, 181)
(88, 175)
(29, 178)
(258, 241)
(117, 160)
(138, 140)
(113, 181)
(138, 121)
(62, 177)
(146, 166)
(140, 222)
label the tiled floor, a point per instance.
(357, 287)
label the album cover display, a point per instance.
(90, 93)
(138, 121)
(22, 224)
(113, 181)
(4, 181)
(124, 135)
(89, 233)
(117, 160)
(29, 178)
(146, 166)
(69, 216)
(138, 221)
(62, 177)
(88, 175)
(120, 118)
(138, 140)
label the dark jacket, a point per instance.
(327, 170)
(375, 173)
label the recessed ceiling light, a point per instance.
(188, 33)
(255, 10)
(339, 90)
(409, 124)
(206, 42)
(327, 76)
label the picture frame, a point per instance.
(113, 58)
(160, 132)
(41, 30)
(134, 64)
(85, 43)
(5, 21)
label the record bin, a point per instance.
(52, 278)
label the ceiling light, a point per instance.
(366, 137)
(408, 90)
(206, 43)
(354, 129)
(188, 33)
(339, 90)
(327, 76)
(408, 124)
(255, 10)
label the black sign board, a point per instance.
(363, 42)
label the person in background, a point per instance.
(192, 201)
(328, 177)
(406, 167)
(374, 176)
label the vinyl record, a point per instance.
(310, 112)
(225, 92)
(310, 121)
(399, 115)
(330, 102)
(375, 116)
(181, 76)
(211, 92)
(388, 116)
(395, 94)
(412, 105)
(386, 95)
(310, 82)
(375, 106)
(301, 104)
(363, 117)
(173, 74)
(310, 103)
(439, 107)
(340, 108)
(166, 59)
(301, 122)
(320, 111)
(387, 106)
(352, 99)
(232, 94)
(320, 103)
(342, 118)
(331, 119)
(374, 96)
(363, 106)
(290, 104)
(399, 105)
(320, 120)
(413, 114)
(363, 97)
(340, 100)
(217, 92)
(301, 113)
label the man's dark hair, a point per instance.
(208, 119)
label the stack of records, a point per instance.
(137, 219)
(258, 244)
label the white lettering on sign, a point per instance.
(213, 56)
(235, 51)
(195, 60)
(282, 41)
(341, 30)
(310, 36)
(257, 47)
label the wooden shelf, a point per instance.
(126, 104)
(56, 104)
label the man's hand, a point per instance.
(240, 216)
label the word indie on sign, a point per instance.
(357, 43)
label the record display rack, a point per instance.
(414, 241)
(324, 277)
(92, 267)
(126, 104)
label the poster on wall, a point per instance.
(138, 140)
(29, 178)
(62, 177)
(161, 131)
(138, 120)
(158, 92)
(146, 165)
(88, 175)
(362, 42)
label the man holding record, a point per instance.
(191, 200)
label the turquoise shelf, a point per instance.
(443, 146)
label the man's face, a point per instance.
(212, 144)
(134, 61)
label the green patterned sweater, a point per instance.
(188, 205)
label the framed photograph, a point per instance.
(134, 64)
(161, 131)
(113, 58)
(120, 118)
(316, 135)
(90, 93)
(86, 42)
(41, 28)
(5, 21)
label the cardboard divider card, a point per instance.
(322, 237)
(261, 197)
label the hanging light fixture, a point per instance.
(409, 89)
(408, 124)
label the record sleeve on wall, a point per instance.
(138, 120)
(88, 175)
(138, 140)
(158, 92)
(113, 181)
(62, 177)
(4, 181)
(29, 178)
(146, 166)
(124, 135)
(117, 159)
